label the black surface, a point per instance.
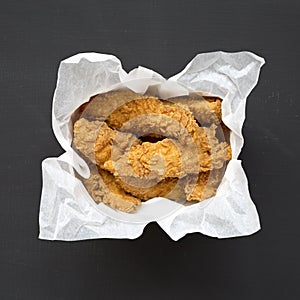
(164, 36)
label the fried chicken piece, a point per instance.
(145, 189)
(121, 168)
(149, 115)
(178, 191)
(162, 157)
(111, 150)
(168, 166)
(96, 141)
(168, 158)
(103, 144)
(110, 144)
(207, 98)
(213, 153)
(205, 186)
(102, 186)
(204, 111)
(160, 126)
(101, 106)
(85, 135)
(152, 161)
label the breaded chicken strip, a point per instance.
(101, 106)
(205, 186)
(95, 140)
(204, 111)
(153, 116)
(85, 135)
(168, 158)
(102, 186)
(168, 166)
(178, 192)
(152, 161)
(149, 115)
(111, 144)
(162, 157)
(145, 189)
(213, 153)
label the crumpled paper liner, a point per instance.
(67, 212)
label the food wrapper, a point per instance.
(67, 211)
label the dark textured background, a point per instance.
(164, 36)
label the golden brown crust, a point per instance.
(165, 162)
(85, 135)
(101, 106)
(149, 115)
(111, 144)
(145, 189)
(204, 111)
(162, 157)
(205, 186)
(168, 158)
(103, 188)
(220, 152)
(171, 188)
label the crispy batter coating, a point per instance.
(147, 188)
(215, 153)
(103, 187)
(204, 111)
(167, 158)
(85, 135)
(174, 157)
(162, 157)
(178, 192)
(205, 186)
(158, 160)
(95, 140)
(103, 144)
(149, 115)
(102, 105)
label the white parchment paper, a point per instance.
(67, 212)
